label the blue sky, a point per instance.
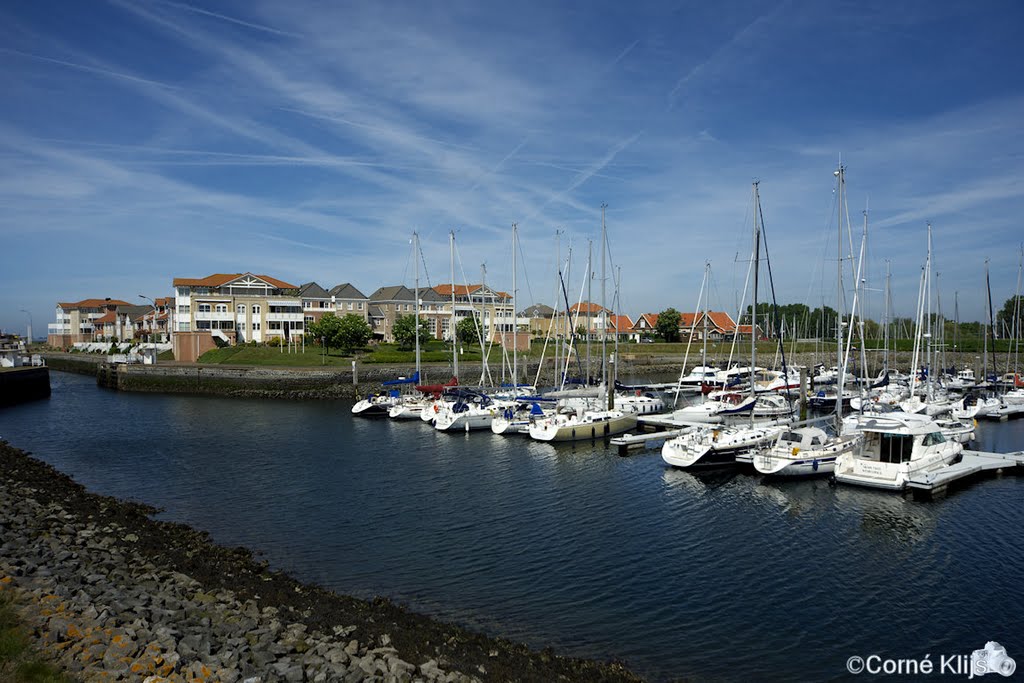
(152, 139)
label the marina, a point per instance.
(563, 545)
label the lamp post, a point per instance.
(152, 327)
(29, 314)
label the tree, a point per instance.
(1005, 326)
(325, 330)
(405, 334)
(353, 333)
(467, 330)
(668, 324)
(347, 333)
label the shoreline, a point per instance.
(277, 382)
(105, 587)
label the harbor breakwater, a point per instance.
(111, 594)
(18, 385)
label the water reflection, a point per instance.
(698, 482)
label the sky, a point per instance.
(144, 140)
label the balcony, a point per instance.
(286, 317)
(213, 315)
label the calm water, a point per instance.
(720, 576)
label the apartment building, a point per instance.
(236, 308)
(77, 321)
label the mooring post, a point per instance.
(803, 394)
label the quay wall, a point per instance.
(331, 383)
(18, 385)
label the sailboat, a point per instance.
(716, 446)
(809, 450)
(577, 423)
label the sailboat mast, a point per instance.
(609, 391)
(841, 376)
(753, 309)
(455, 337)
(515, 314)
(888, 301)
(590, 304)
(416, 255)
(929, 369)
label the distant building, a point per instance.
(492, 308)
(720, 325)
(388, 304)
(78, 321)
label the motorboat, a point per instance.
(895, 448)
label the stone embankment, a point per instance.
(246, 381)
(113, 595)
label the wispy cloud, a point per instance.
(308, 140)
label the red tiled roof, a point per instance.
(107, 317)
(650, 318)
(586, 307)
(219, 279)
(460, 290)
(619, 322)
(93, 303)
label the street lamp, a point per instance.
(152, 327)
(29, 326)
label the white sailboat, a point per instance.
(810, 450)
(717, 446)
(579, 424)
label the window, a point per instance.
(309, 320)
(933, 439)
(274, 325)
(202, 324)
(222, 308)
(184, 327)
(360, 305)
(240, 309)
(255, 309)
(184, 309)
(255, 326)
(350, 305)
(204, 308)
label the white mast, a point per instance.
(604, 337)
(416, 255)
(515, 330)
(455, 337)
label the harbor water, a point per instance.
(721, 576)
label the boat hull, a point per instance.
(554, 429)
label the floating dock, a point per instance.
(647, 440)
(972, 463)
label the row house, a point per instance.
(492, 308)
(538, 320)
(718, 325)
(236, 308)
(342, 300)
(77, 321)
(153, 324)
(388, 304)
